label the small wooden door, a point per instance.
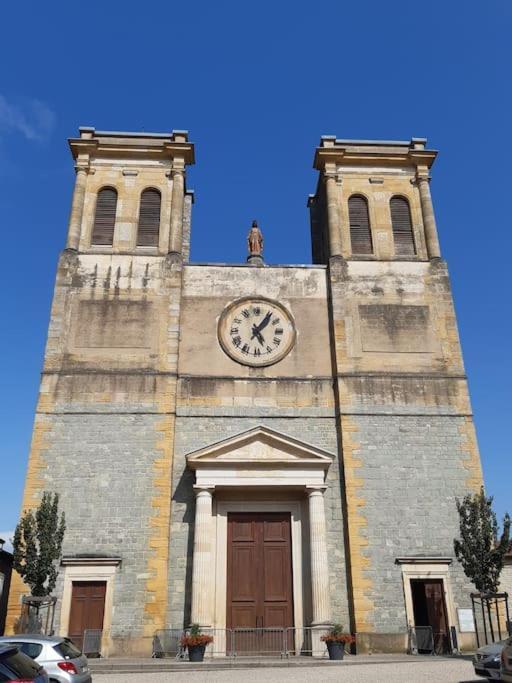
(259, 580)
(87, 608)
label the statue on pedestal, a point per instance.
(255, 240)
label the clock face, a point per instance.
(256, 331)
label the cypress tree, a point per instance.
(479, 549)
(37, 545)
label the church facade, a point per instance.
(248, 445)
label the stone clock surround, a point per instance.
(260, 459)
(277, 334)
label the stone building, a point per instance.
(253, 445)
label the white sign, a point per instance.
(466, 621)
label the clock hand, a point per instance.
(264, 322)
(256, 333)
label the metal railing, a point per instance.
(258, 642)
(424, 640)
(421, 639)
(246, 642)
(306, 641)
(92, 642)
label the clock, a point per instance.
(256, 331)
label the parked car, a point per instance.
(506, 662)
(486, 661)
(63, 661)
(16, 666)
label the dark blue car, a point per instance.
(15, 666)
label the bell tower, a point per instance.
(392, 180)
(407, 437)
(104, 427)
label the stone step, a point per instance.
(126, 665)
(151, 666)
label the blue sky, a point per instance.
(256, 84)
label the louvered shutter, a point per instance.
(149, 219)
(105, 217)
(360, 233)
(402, 227)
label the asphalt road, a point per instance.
(435, 671)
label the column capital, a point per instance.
(314, 490)
(82, 168)
(334, 175)
(423, 177)
(199, 490)
(177, 167)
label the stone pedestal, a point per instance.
(255, 260)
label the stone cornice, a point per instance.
(366, 152)
(90, 560)
(424, 560)
(120, 145)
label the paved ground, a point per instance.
(435, 671)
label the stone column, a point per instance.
(178, 192)
(333, 216)
(319, 564)
(77, 209)
(429, 220)
(202, 570)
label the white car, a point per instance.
(62, 660)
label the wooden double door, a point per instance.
(87, 609)
(259, 579)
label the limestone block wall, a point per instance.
(193, 433)
(104, 426)
(378, 188)
(218, 398)
(506, 579)
(408, 439)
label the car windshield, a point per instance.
(21, 665)
(67, 649)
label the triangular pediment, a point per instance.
(260, 446)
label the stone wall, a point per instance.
(193, 433)
(104, 425)
(411, 468)
(408, 439)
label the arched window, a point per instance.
(402, 227)
(105, 217)
(149, 218)
(360, 232)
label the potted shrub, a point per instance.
(335, 641)
(196, 643)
